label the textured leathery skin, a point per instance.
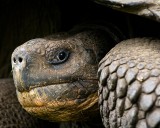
(129, 85)
(64, 91)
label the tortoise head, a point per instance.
(56, 77)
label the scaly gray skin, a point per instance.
(129, 85)
(11, 113)
(60, 88)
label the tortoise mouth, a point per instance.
(32, 87)
(54, 102)
(62, 92)
(80, 82)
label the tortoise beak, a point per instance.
(19, 62)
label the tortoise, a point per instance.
(128, 77)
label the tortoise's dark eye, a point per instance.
(58, 57)
(62, 55)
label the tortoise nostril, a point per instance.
(14, 60)
(20, 59)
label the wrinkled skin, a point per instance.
(56, 77)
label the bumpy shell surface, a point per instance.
(146, 8)
(129, 85)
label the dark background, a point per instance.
(23, 20)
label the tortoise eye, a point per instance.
(58, 57)
(62, 55)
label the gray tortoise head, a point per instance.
(56, 77)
